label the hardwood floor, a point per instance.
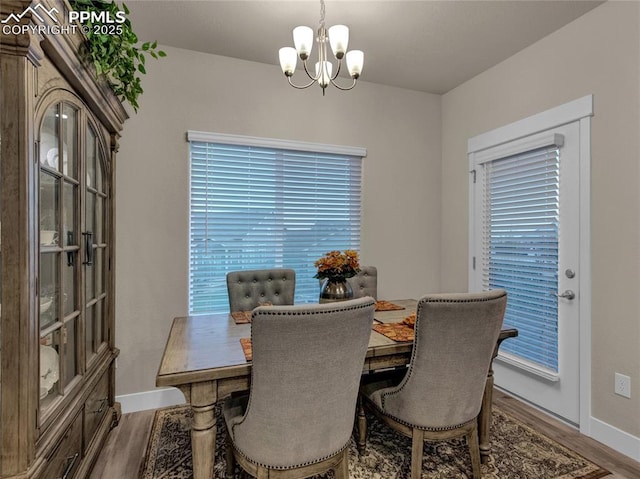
(124, 452)
(619, 465)
(123, 455)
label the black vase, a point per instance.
(335, 290)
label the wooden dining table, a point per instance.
(203, 357)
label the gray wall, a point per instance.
(597, 54)
(415, 221)
(195, 91)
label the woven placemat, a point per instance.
(246, 348)
(396, 331)
(241, 317)
(382, 305)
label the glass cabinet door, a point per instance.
(59, 249)
(95, 241)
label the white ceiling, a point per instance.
(430, 45)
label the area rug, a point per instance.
(518, 452)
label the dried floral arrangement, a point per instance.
(337, 266)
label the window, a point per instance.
(520, 250)
(259, 203)
(516, 193)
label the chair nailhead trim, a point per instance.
(444, 428)
(269, 312)
(294, 466)
(453, 300)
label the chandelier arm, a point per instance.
(300, 87)
(344, 88)
(306, 70)
(337, 71)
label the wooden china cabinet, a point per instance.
(59, 131)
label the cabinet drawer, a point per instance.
(66, 459)
(95, 407)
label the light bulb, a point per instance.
(325, 75)
(339, 39)
(288, 60)
(355, 62)
(303, 40)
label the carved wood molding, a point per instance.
(65, 50)
(10, 42)
(96, 92)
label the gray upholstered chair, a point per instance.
(365, 283)
(250, 288)
(307, 363)
(440, 396)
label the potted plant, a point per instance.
(116, 52)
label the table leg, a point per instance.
(203, 397)
(484, 418)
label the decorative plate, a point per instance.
(49, 368)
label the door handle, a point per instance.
(71, 254)
(88, 236)
(568, 294)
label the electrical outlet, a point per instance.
(622, 385)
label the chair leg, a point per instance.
(474, 450)
(417, 446)
(362, 427)
(342, 469)
(231, 460)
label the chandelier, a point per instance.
(338, 37)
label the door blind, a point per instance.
(256, 207)
(520, 250)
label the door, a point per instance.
(73, 199)
(60, 318)
(525, 238)
(95, 238)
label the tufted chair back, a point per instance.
(365, 283)
(307, 364)
(251, 288)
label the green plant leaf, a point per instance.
(117, 58)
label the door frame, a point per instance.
(579, 110)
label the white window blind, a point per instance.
(520, 249)
(256, 207)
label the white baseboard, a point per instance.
(609, 435)
(615, 438)
(154, 399)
